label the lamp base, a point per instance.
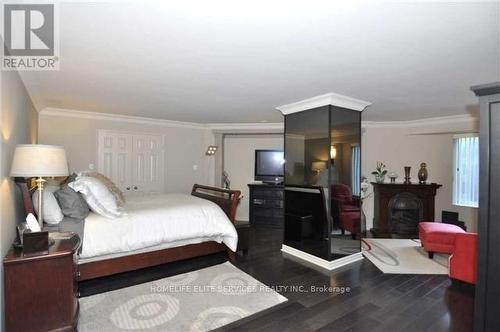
(39, 184)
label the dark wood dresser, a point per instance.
(266, 205)
(41, 291)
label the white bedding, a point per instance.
(154, 220)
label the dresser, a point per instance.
(488, 269)
(266, 205)
(41, 291)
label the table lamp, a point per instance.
(37, 160)
(318, 166)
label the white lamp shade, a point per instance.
(36, 160)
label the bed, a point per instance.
(178, 227)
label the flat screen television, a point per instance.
(269, 166)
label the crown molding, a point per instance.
(442, 120)
(71, 113)
(323, 100)
(486, 89)
(268, 126)
(242, 127)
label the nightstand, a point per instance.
(41, 291)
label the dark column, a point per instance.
(487, 311)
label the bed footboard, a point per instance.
(227, 199)
(112, 266)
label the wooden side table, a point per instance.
(41, 291)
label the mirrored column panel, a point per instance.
(322, 181)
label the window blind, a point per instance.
(466, 172)
(356, 169)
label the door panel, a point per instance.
(132, 161)
(122, 167)
(114, 152)
(148, 163)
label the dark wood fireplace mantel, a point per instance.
(384, 192)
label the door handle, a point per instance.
(128, 188)
(135, 188)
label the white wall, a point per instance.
(18, 122)
(399, 146)
(185, 146)
(239, 159)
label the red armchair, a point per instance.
(350, 221)
(346, 209)
(463, 261)
(342, 195)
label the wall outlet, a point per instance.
(195, 167)
(91, 167)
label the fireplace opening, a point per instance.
(405, 212)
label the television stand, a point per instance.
(273, 183)
(266, 204)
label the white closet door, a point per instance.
(148, 163)
(135, 162)
(114, 155)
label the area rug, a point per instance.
(202, 300)
(403, 256)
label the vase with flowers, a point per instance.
(380, 172)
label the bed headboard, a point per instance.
(22, 183)
(227, 199)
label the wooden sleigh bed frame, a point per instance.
(226, 199)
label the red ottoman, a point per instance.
(438, 237)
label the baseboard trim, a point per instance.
(328, 265)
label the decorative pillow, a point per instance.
(120, 197)
(97, 196)
(72, 177)
(52, 213)
(72, 203)
(51, 187)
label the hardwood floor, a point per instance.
(374, 302)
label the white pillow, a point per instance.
(52, 213)
(97, 196)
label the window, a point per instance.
(356, 170)
(466, 172)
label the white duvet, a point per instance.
(154, 220)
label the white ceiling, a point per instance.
(223, 61)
